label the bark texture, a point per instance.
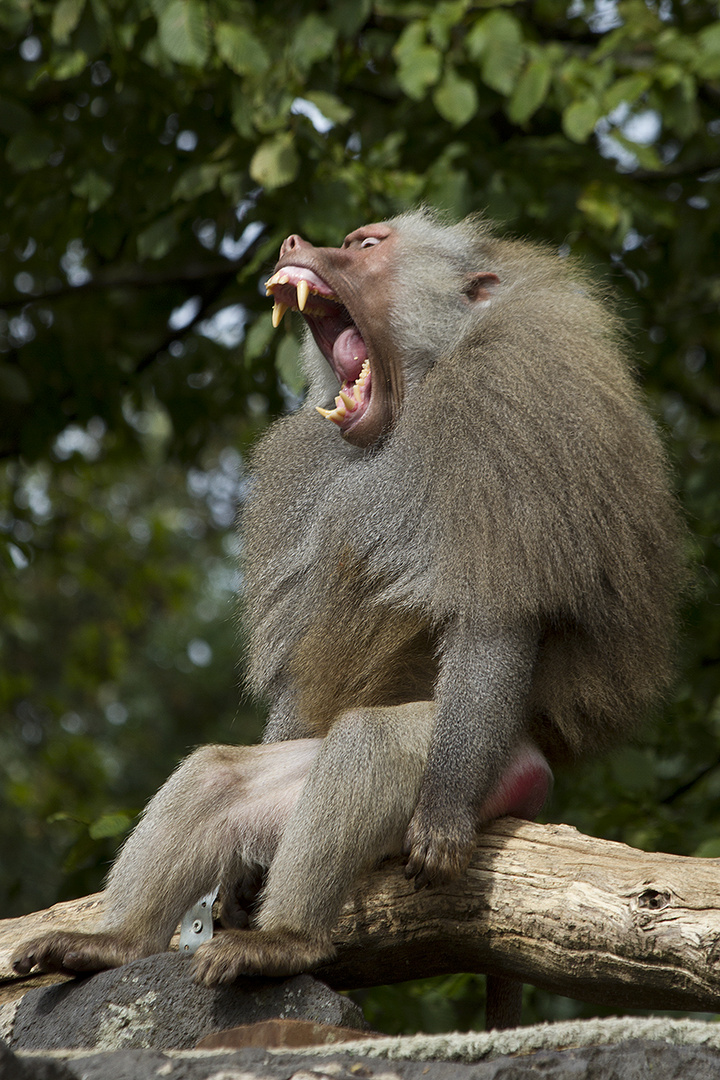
(591, 919)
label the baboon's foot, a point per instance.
(258, 952)
(71, 953)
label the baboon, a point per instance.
(467, 566)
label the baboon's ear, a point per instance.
(481, 286)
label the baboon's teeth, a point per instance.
(278, 278)
(349, 397)
(303, 291)
(278, 311)
(336, 415)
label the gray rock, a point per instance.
(13, 1068)
(633, 1060)
(153, 1003)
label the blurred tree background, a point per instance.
(155, 153)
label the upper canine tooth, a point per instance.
(303, 291)
(277, 313)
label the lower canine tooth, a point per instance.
(277, 313)
(348, 401)
(336, 415)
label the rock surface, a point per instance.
(153, 1003)
(634, 1060)
(15, 1068)
(141, 1021)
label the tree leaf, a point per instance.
(419, 64)
(196, 180)
(600, 205)
(275, 163)
(65, 17)
(241, 50)
(530, 91)
(312, 41)
(287, 364)
(109, 825)
(455, 98)
(348, 15)
(580, 118)
(68, 65)
(28, 150)
(707, 63)
(183, 32)
(626, 90)
(158, 238)
(258, 337)
(93, 187)
(496, 41)
(444, 17)
(330, 106)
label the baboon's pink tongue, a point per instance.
(349, 354)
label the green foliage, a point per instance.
(117, 649)
(275, 163)
(444, 1003)
(455, 99)
(496, 42)
(183, 31)
(155, 154)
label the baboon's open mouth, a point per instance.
(337, 336)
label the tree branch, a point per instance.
(137, 276)
(591, 919)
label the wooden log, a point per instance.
(591, 919)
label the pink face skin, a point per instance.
(344, 295)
